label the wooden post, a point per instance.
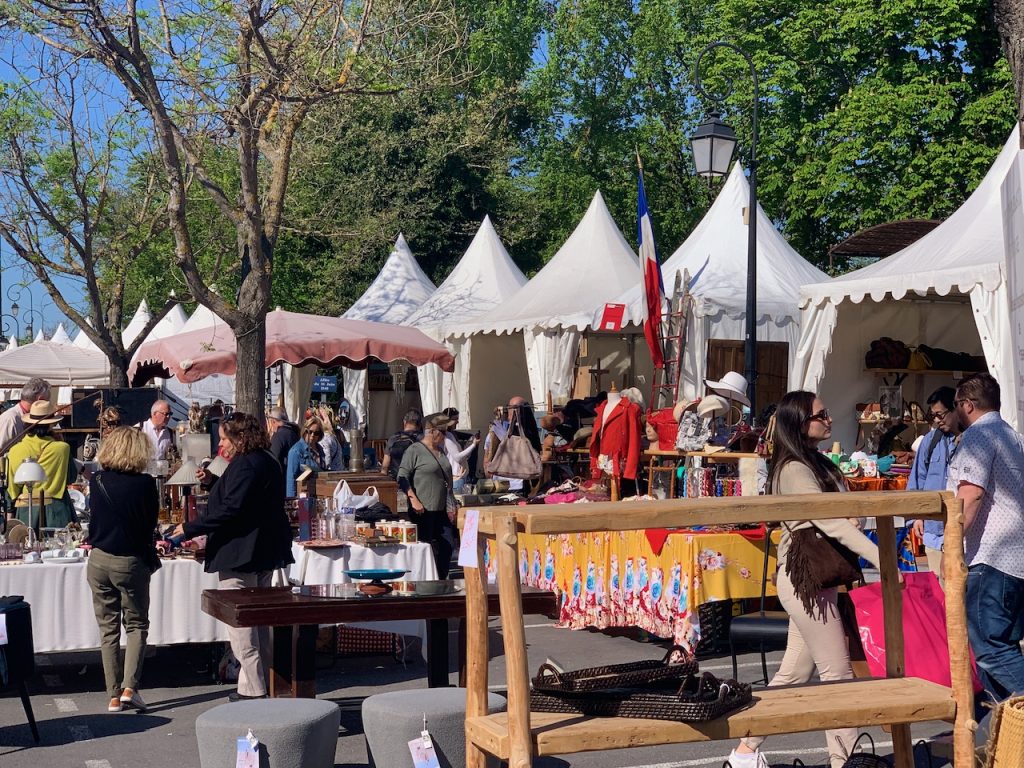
(517, 674)
(476, 649)
(892, 607)
(954, 575)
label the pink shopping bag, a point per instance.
(924, 629)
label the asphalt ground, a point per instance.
(70, 706)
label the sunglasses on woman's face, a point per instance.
(823, 416)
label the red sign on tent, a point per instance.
(611, 318)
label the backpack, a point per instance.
(401, 442)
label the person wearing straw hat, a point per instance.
(55, 458)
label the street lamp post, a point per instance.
(713, 145)
(5, 335)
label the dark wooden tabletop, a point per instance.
(337, 603)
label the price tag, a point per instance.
(248, 752)
(422, 751)
(468, 546)
(3, 629)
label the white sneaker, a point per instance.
(130, 698)
(747, 760)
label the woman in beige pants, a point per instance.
(816, 642)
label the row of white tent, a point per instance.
(954, 288)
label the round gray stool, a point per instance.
(392, 720)
(293, 733)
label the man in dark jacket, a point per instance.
(284, 433)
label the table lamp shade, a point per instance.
(186, 474)
(29, 472)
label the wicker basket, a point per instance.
(1006, 739)
(698, 699)
(636, 673)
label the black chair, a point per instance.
(766, 629)
(19, 653)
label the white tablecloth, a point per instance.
(327, 566)
(62, 616)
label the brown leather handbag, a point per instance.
(515, 456)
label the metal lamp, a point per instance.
(713, 144)
(29, 473)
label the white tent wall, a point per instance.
(550, 360)
(613, 352)
(356, 391)
(499, 372)
(297, 390)
(388, 410)
(840, 337)
(441, 389)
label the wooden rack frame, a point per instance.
(518, 735)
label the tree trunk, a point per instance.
(1009, 16)
(119, 374)
(250, 385)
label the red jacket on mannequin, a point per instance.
(617, 433)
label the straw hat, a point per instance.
(732, 386)
(438, 421)
(682, 407)
(41, 412)
(712, 406)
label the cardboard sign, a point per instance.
(468, 553)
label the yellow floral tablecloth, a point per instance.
(616, 579)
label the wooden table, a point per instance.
(296, 613)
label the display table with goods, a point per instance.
(897, 701)
(655, 579)
(295, 614)
(62, 613)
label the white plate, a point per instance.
(64, 560)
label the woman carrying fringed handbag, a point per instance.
(815, 557)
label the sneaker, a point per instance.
(747, 760)
(115, 705)
(133, 699)
(236, 696)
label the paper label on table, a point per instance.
(468, 557)
(247, 752)
(422, 751)
(3, 629)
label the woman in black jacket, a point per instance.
(248, 536)
(124, 506)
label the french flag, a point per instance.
(654, 286)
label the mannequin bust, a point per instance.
(614, 396)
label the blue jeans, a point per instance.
(995, 625)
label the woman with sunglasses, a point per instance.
(305, 454)
(816, 642)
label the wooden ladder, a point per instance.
(518, 735)
(672, 338)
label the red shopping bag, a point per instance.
(924, 629)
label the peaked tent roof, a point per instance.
(137, 323)
(169, 324)
(60, 364)
(484, 277)
(203, 317)
(39, 337)
(587, 272)
(964, 251)
(60, 336)
(715, 255)
(84, 342)
(398, 291)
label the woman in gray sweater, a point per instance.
(426, 477)
(816, 642)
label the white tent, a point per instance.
(63, 365)
(399, 289)
(715, 255)
(39, 336)
(171, 323)
(951, 289)
(484, 277)
(82, 341)
(60, 336)
(137, 323)
(555, 307)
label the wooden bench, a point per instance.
(518, 735)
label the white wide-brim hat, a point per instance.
(733, 386)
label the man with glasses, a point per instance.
(157, 429)
(930, 464)
(987, 474)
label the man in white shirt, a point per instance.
(11, 422)
(987, 474)
(157, 430)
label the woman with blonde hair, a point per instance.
(124, 505)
